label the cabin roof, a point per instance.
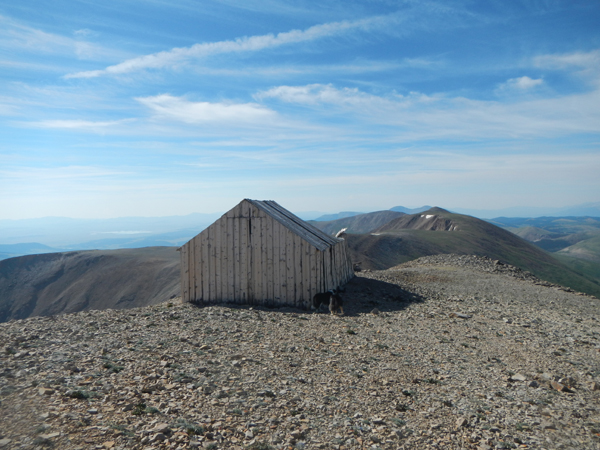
(295, 224)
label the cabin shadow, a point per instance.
(361, 295)
(364, 295)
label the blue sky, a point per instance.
(156, 107)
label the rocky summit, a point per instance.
(445, 352)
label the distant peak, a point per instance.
(436, 210)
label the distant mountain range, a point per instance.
(55, 283)
(59, 234)
(410, 236)
(586, 209)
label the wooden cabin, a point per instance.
(259, 253)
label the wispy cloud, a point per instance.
(77, 124)
(177, 56)
(183, 110)
(16, 36)
(569, 60)
(418, 116)
(314, 94)
(584, 64)
(522, 83)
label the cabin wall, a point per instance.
(248, 257)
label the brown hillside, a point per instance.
(54, 283)
(427, 233)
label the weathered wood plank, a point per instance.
(197, 268)
(306, 281)
(224, 258)
(326, 269)
(276, 263)
(256, 253)
(268, 253)
(204, 265)
(297, 276)
(315, 262)
(289, 269)
(236, 257)
(283, 271)
(244, 255)
(263, 259)
(230, 248)
(212, 288)
(183, 274)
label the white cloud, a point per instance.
(568, 60)
(14, 35)
(84, 32)
(313, 94)
(320, 94)
(419, 116)
(522, 84)
(180, 109)
(178, 56)
(584, 64)
(77, 124)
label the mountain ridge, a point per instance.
(53, 283)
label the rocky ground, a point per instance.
(446, 352)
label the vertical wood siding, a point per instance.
(249, 257)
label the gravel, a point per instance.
(445, 352)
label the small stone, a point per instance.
(460, 315)
(375, 311)
(158, 437)
(595, 386)
(45, 391)
(568, 381)
(162, 428)
(49, 435)
(378, 421)
(5, 442)
(559, 386)
(297, 434)
(461, 422)
(518, 377)
(533, 384)
(108, 444)
(92, 411)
